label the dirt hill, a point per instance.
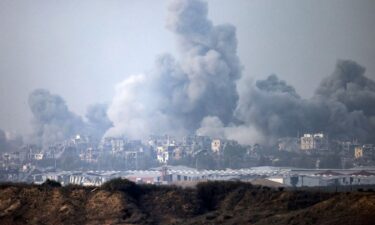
(123, 202)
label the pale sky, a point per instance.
(81, 49)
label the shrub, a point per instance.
(123, 185)
(11, 184)
(212, 192)
(51, 183)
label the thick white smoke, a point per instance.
(178, 94)
(243, 133)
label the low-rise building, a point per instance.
(366, 151)
(358, 152)
(317, 142)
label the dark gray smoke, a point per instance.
(272, 106)
(342, 107)
(53, 121)
(200, 92)
(349, 86)
(178, 94)
(97, 120)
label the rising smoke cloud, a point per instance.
(178, 94)
(53, 121)
(203, 92)
(341, 108)
(350, 87)
(97, 120)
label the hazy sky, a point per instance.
(81, 49)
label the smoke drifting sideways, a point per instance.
(342, 107)
(178, 94)
(54, 122)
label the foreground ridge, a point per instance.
(120, 201)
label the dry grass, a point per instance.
(123, 202)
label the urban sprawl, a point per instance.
(168, 160)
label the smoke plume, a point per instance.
(201, 92)
(178, 94)
(54, 122)
(343, 107)
(350, 87)
(97, 120)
